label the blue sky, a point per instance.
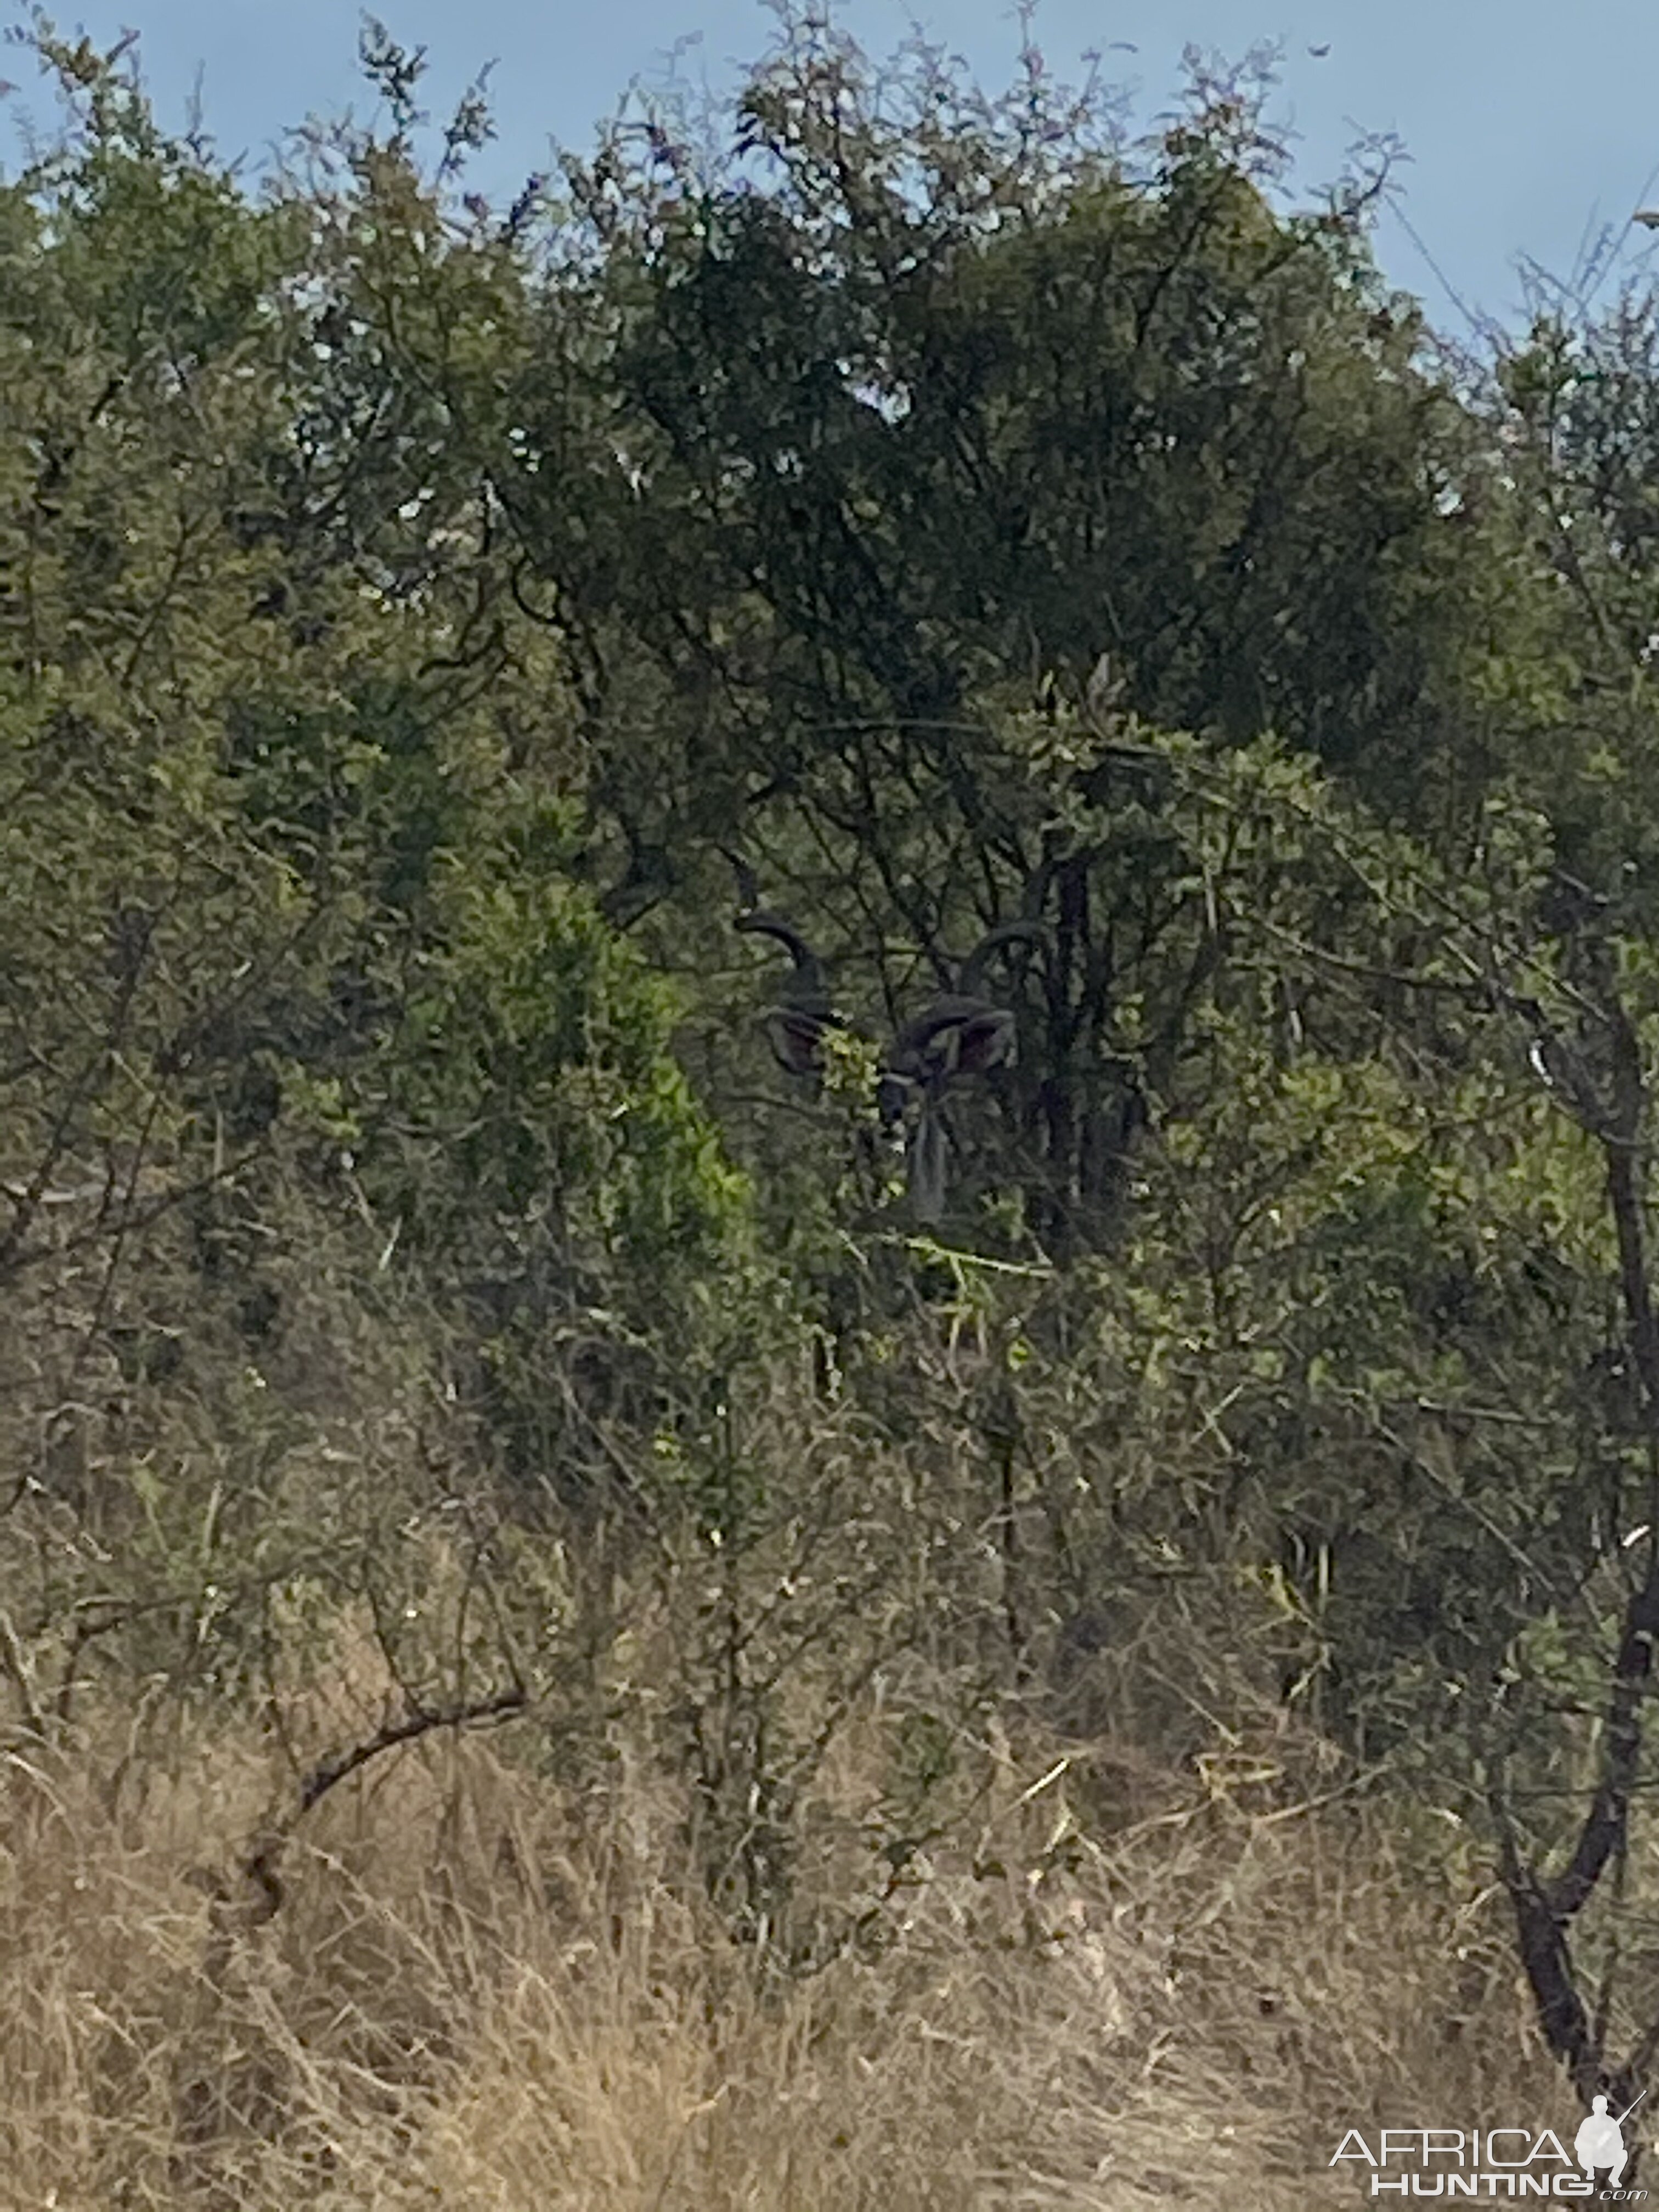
(1527, 123)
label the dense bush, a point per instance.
(423, 625)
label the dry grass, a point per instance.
(485, 1989)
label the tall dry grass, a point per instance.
(485, 1987)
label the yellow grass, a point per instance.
(487, 1990)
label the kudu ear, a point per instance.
(796, 1039)
(983, 1040)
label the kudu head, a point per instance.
(958, 1033)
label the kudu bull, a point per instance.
(960, 1034)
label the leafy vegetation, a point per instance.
(424, 628)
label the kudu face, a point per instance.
(959, 1035)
